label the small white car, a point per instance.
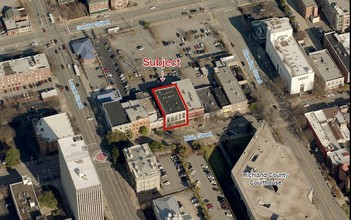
(68, 66)
(89, 118)
(106, 15)
(152, 7)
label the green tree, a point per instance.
(12, 157)
(115, 154)
(130, 134)
(159, 132)
(282, 2)
(143, 130)
(48, 199)
(116, 136)
(156, 146)
(197, 145)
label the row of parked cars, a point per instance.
(179, 167)
(209, 174)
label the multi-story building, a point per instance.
(97, 6)
(137, 115)
(211, 108)
(337, 13)
(16, 14)
(24, 71)
(191, 99)
(156, 119)
(232, 90)
(338, 46)
(115, 117)
(326, 70)
(308, 9)
(25, 200)
(50, 129)
(222, 100)
(287, 56)
(270, 181)
(142, 167)
(118, 4)
(79, 179)
(172, 106)
(16, 21)
(330, 128)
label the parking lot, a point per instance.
(186, 206)
(95, 76)
(171, 176)
(168, 40)
(211, 196)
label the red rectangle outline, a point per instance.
(153, 90)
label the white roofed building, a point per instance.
(50, 129)
(80, 180)
(142, 167)
(287, 56)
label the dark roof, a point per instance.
(84, 47)
(115, 113)
(220, 97)
(339, 48)
(170, 100)
(207, 99)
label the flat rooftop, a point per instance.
(208, 100)
(115, 113)
(170, 100)
(341, 6)
(325, 65)
(24, 65)
(53, 127)
(220, 97)
(25, 199)
(230, 85)
(189, 94)
(79, 164)
(280, 32)
(141, 160)
(134, 110)
(291, 199)
(338, 44)
(309, 2)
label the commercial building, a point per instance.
(168, 208)
(80, 181)
(336, 159)
(156, 119)
(191, 99)
(211, 108)
(222, 100)
(337, 13)
(16, 21)
(172, 106)
(84, 50)
(344, 177)
(137, 115)
(287, 56)
(49, 94)
(97, 6)
(24, 71)
(232, 90)
(338, 46)
(142, 168)
(326, 70)
(308, 9)
(330, 127)
(25, 199)
(115, 117)
(271, 182)
(119, 4)
(49, 130)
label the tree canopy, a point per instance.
(116, 136)
(156, 146)
(12, 157)
(115, 155)
(143, 130)
(48, 199)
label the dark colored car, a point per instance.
(67, 89)
(193, 10)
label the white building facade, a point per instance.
(287, 56)
(80, 181)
